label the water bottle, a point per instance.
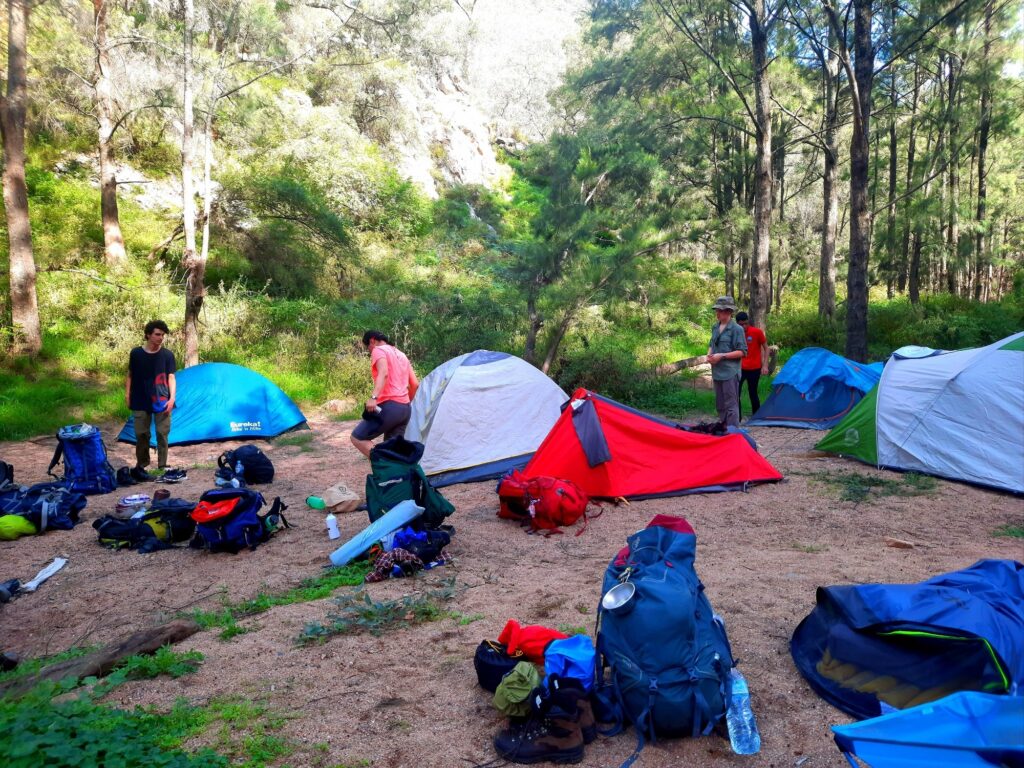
(743, 733)
(332, 526)
(315, 502)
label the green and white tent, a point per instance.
(958, 415)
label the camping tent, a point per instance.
(611, 450)
(480, 414)
(907, 644)
(958, 415)
(814, 390)
(965, 730)
(220, 401)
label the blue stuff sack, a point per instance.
(86, 469)
(573, 657)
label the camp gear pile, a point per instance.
(397, 477)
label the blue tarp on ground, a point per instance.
(965, 729)
(815, 390)
(221, 401)
(907, 644)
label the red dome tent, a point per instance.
(611, 450)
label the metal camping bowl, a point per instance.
(619, 598)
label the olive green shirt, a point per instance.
(728, 340)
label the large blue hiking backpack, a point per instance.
(666, 653)
(86, 469)
(228, 520)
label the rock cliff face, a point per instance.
(508, 55)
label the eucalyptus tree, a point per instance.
(27, 337)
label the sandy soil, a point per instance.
(409, 697)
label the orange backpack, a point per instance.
(545, 503)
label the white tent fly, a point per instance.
(480, 414)
(958, 415)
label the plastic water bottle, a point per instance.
(743, 733)
(315, 502)
(332, 526)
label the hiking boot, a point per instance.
(139, 475)
(573, 687)
(551, 734)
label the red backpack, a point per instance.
(546, 503)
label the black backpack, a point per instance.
(6, 473)
(167, 522)
(247, 462)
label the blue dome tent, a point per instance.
(220, 401)
(815, 390)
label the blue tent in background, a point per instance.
(870, 647)
(965, 729)
(815, 390)
(220, 401)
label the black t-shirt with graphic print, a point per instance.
(150, 389)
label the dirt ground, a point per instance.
(410, 697)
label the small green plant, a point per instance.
(164, 662)
(567, 629)
(810, 549)
(1013, 531)
(582, 608)
(465, 620)
(358, 612)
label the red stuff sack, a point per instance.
(546, 503)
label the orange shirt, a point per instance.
(396, 386)
(755, 338)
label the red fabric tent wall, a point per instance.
(649, 456)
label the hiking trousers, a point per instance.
(727, 401)
(752, 379)
(142, 420)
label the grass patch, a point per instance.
(313, 588)
(858, 487)
(465, 620)
(301, 440)
(810, 549)
(1013, 531)
(358, 612)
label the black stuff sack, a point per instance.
(492, 663)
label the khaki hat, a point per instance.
(725, 302)
(338, 498)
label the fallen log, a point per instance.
(102, 662)
(693, 362)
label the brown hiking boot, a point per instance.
(573, 687)
(551, 734)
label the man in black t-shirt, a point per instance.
(149, 393)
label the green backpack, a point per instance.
(397, 476)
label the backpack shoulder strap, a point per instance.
(224, 461)
(56, 458)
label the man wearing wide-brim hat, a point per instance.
(727, 348)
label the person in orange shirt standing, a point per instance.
(394, 386)
(754, 363)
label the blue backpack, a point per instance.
(86, 469)
(666, 653)
(48, 506)
(228, 520)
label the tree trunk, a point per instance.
(24, 302)
(911, 147)
(953, 189)
(860, 214)
(535, 323)
(113, 242)
(556, 342)
(890, 224)
(759, 277)
(919, 226)
(195, 269)
(983, 130)
(830, 191)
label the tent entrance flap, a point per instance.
(588, 430)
